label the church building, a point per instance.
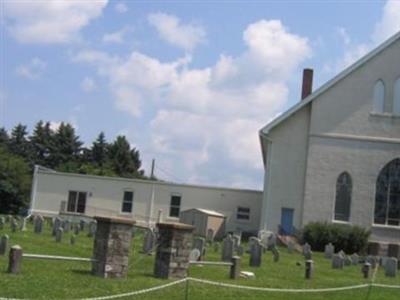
(335, 155)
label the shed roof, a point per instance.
(207, 212)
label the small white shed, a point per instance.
(207, 223)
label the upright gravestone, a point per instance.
(355, 259)
(366, 269)
(194, 255)
(391, 267)
(329, 251)
(236, 241)
(77, 229)
(240, 251)
(82, 224)
(337, 261)
(2, 222)
(256, 252)
(306, 248)
(38, 224)
(4, 244)
(173, 248)
(227, 248)
(56, 225)
(309, 269)
(14, 225)
(92, 228)
(112, 245)
(200, 244)
(347, 261)
(252, 239)
(59, 234)
(66, 225)
(149, 240)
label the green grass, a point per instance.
(44, 279)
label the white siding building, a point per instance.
(335, 155)
(87, 195)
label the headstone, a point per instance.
(290, 246)
(263, 236)
(66, 226)
(383, 260)
(194, 255)
(92, 228)
(72, 240)
(236, 241)
(306, 248)
(271, 241)
(77, 229)
(373, 260)
(275, 253)
(308, 255)
(82, 224)
(309, 269)
(342, 254)
(59, 234)
(2, 222)
(337, 261)
(355, 259)
(227, 248)
(14, 225)
(366, 269)
(15, 258)
(210, 235)
(256, 252)
(38, 224)
(149, 240)
(235, 268)
(391, 267)
(329, 251)
(240, 250)
(112, 246)
(56, 225)
(252, 240)
(200, 244)
(347, 261)
(4, 244)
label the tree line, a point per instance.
(61, 150)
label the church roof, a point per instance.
(265, 130)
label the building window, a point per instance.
(243, 213)
(76, 202)
(396, 97)
(175, 206)
(379, 96)
(344, 187)
(127, 202)
(387, 197)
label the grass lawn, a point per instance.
(44, 279)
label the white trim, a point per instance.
(387, 115)
(382, 226)
(341, 222)
(34, 189)
(362, 138)
(330, 84)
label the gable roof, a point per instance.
(329, 84)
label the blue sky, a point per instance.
(188, 82)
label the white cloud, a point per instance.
(344, 35)
(88, 84)
(203, 115)
(170, 29)
(47, 22)
(121, 8)
(32, 70)
(390, 22)
(117, 37)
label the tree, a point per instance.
(100, 150)
(67, 145)
(4, 138)
(15, 182)
(125, 162)
(41, 143)
(18, 143)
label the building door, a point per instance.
(287, 221)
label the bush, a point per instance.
(350, 239)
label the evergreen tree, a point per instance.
(4, 138)
(41, 143)
(121, 157)
(18, 143)
(67, 145)
(100, 150)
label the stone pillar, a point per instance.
(112, 246)
(173, 248)
(366, 268)
(235, 268)
(15, 259)
(309, 269)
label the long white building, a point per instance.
(86, 195)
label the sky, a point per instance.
(189, 83)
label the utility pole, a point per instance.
(153, 163)
(151, 202)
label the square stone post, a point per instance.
(173, 248)
(112, 245)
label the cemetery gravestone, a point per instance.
(200, 244)
(366, 269)
(66, 226)
(227, 248)
(240, 251)
(38, 224)
(347, 261)
(391, 267)
(14, 225)
(236, 241)
(194, 255)
(355, 259)
(56, 225)
(309, 269)
(256, 252)
(82, 224)
(59, 234)
(148, 241)
(306, 248)
(92, 228)
(373, 260)
(252, 240)
(15, 258)
(4, 244)
(275, 253)
(77, 229)
(337, 261)
(329, 251)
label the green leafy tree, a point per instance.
(15, 182)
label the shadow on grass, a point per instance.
(82, 272)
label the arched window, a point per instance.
(396, 97)
(379, 96)
(344, 186)
(387, 197)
